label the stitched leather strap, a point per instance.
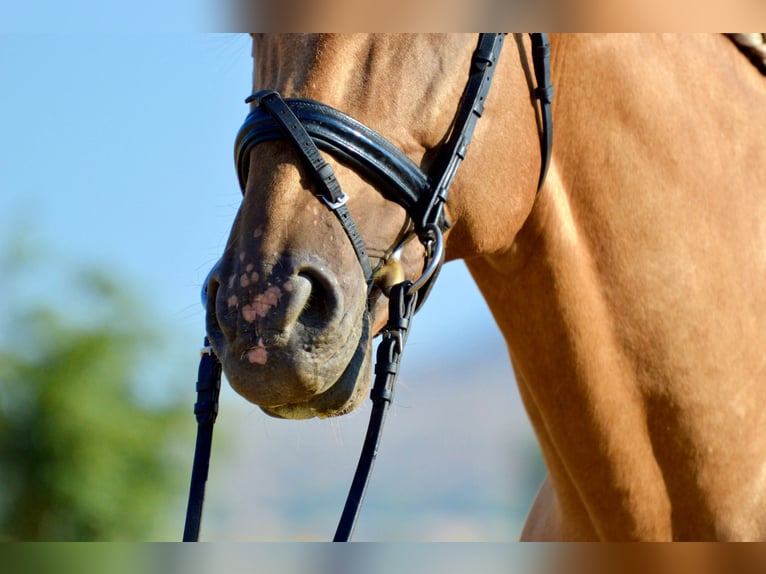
(402, 305)
(541, 57)
(329, 189)
(206, 411)
(470, 110)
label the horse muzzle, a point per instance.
(288, 339)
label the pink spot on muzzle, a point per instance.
(262, 304)
(271, 296)
(265, 301)
(248, 313)
(258, 355)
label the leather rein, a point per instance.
(310, 126)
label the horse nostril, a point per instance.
(321, 302)
(203, 296)
(208, 280)
(317, 306)
(209, 294)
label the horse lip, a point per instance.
(270, 339)
(344, 395)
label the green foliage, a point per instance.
(85, 455)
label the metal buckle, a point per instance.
(434, 246)
(434, 253)
(397, 252)
(396, 336)
(335, 204)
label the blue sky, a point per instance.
(118, 147)
(83, 16)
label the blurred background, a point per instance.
(117, 190)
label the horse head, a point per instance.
(292, 308)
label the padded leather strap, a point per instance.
(352, 143)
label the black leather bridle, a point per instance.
(310, 126)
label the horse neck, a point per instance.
(627, 292)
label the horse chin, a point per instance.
(348, 392)
(344, 395)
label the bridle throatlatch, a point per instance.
(311, 126)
